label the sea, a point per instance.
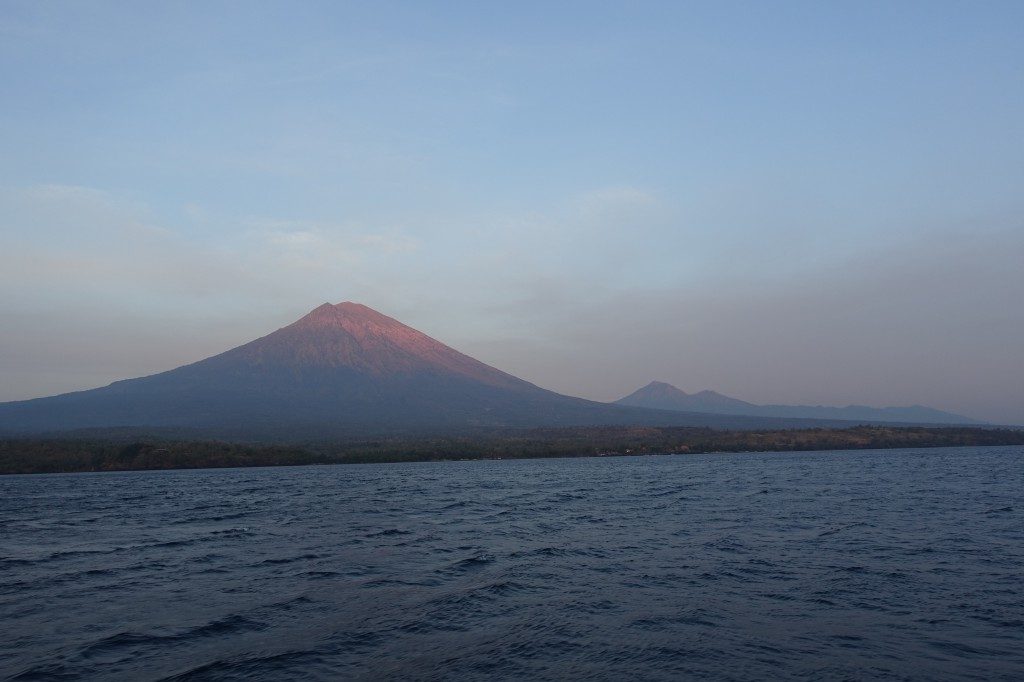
(886, 565)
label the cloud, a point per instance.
(69, 211)
(311, 246)
(65, 241)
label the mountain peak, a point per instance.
(357, 339)
(708, 394)
(344, 310)
(664, 396)
(661, 387)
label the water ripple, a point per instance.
(854, 565)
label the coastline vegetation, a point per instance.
(82, 454)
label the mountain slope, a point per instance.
(341, 370)
(662, 396)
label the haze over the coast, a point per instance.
(801, 204)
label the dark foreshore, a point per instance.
(122, 452)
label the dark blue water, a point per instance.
(857, 565)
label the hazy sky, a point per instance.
(816, 202)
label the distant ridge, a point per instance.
(663, 396)
(340, 370)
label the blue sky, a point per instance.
(787, 202)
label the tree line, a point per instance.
(56, 455)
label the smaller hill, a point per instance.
(662, 396)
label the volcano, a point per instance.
(341, 370)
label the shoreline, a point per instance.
(92, 455)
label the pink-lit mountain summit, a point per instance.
(362, 340)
